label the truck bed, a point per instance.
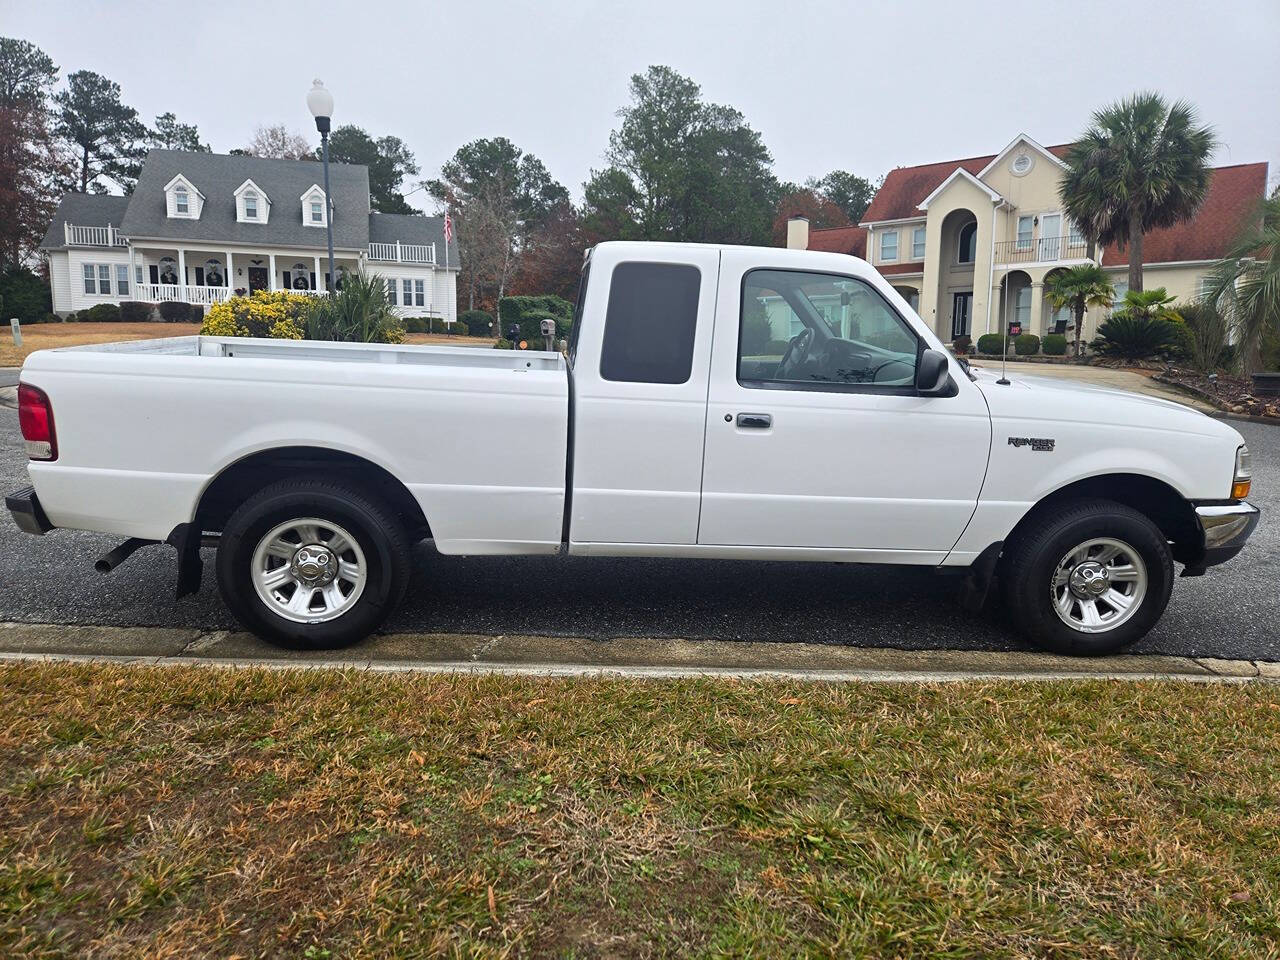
(251, 348)
(477, 436)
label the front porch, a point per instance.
(205, 275)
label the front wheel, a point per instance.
(312, 564)
(1090, 578)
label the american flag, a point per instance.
(448, 227)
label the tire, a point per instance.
(353, 587)
(1055, 571)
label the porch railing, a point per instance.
(78, 236)
(403, 252)
(162, 292)
(1041, 249)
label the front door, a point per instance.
(961, 308)
(823, 445)
(259, 279)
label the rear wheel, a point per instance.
(1089, 578)
(311, 564)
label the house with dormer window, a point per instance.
(971, 243)
(201, 227)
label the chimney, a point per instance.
(798, 233)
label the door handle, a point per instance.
(755, 421)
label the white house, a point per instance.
(200, 227)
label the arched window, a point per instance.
(181, 202)
(968, 245)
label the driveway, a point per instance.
(9, 376)
(1233, 612)
(1100, 377)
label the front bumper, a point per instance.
(1226, 527)
(27, 512)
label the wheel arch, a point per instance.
(1155, 499)
(236, 480)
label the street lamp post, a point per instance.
(320, 103)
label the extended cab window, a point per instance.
(650, 323)
(821, 331)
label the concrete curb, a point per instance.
(577, 657)
(9, 397)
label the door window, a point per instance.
(650, 323)
(819, 331)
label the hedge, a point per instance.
(529, 312)
(1026, 344)
(962, 345)
(24, 295)
(172, 311)
(135, 311)
(101, 313)
(990, 343)
(479, 323)
(1054, 345)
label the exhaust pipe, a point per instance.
(109, 561)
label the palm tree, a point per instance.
(1245, 285)
(1079, 288)
(1150, 305)
(1142, 164)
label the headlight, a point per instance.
(1243, 478)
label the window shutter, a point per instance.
(155, 273)
(288, 281)
(313, 279)
(199, 276)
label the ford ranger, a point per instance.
(714, 401)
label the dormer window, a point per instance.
(182, 199)
(252, 203)
(313, 207)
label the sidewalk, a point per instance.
(624, 656)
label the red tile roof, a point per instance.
(904, 188)
(1234, 196)
(851, 240)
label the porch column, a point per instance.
(319, 276)
(231, 272)
(133, 273)
(1037, 308)
(182, 274)
(272, 285)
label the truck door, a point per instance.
(816, 438)
(640, 357)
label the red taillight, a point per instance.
(35, 417)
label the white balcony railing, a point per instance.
(403, 252)
(78, 236)
(1041, 250)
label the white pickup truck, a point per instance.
(722, 402)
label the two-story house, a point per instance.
(200, 227)
(970, 243)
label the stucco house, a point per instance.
(200, 227)
(969, 243)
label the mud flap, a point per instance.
(185, 538)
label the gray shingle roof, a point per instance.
(85, 210)
(412, 228)
(217, 176)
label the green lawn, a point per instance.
(201, 812)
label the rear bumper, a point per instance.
(27, 513)
(1226, 529)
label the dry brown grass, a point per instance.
(46, 336)
(448, 341)
(205, 812)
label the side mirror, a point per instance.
(932, 376)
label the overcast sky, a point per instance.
(830, 85)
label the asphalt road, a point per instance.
(1232, 612)
(9, 376)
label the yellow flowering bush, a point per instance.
(264, 313)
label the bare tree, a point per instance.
(278, 142)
